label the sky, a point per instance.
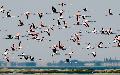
(96, 9)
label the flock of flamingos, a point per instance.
(42, 32)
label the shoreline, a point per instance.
(32, 71)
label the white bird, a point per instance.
(114, 41)
(27, 14)
(2, 10)
(93, 53)
(89, 46)
(70, 54)
(85, 22)
(110, 13)
(94, 30)
(20, 47)
(7, 58)
(5, 53)
(100, 45)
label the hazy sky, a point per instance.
(96, 8)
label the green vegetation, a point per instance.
(31, 71)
